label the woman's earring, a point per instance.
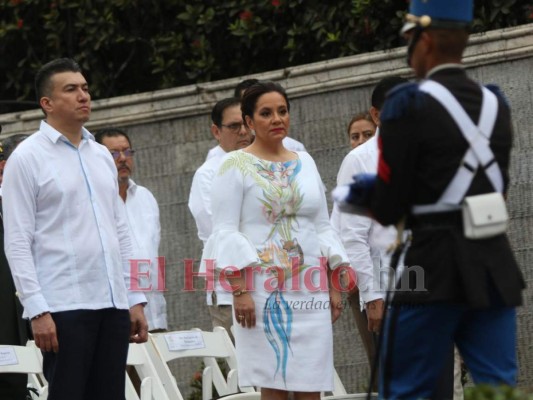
(252, 132)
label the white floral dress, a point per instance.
(273, 217)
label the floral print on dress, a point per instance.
(281, 254)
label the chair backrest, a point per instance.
(151, 385)
(338, 387)
(19, 360)
(210, 346)
(244, 396)
(25, 360)
(339, 391)
(352, 396)
(38, 381)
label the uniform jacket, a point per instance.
(421, 149)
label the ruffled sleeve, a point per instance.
(227, 245)
(330, 243)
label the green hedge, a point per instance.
(483, 392)
(130, 46)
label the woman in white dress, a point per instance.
(273, 241)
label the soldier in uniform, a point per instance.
(443, 140)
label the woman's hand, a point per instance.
(243, 303)
(244, 308)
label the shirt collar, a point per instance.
(444, 66)
(132, 186)
(54, 135)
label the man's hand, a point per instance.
(335, 302)
(139, 326)
(44, 333)
(374, 313)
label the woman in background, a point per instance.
(360, 129)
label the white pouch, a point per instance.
(484, 215)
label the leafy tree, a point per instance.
(132, 46)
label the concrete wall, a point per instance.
(170, 131)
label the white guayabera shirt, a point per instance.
(364, 239)
(142, 214)
(66, 237)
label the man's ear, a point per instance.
(46, 104)
(374, 113)
(215, 132)
(427, 41)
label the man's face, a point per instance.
(69, 100)
(232, 135)
(117, 145)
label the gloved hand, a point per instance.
(355, 197)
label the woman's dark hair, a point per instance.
(252, 94)
(242, 86)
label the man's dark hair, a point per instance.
(43, 77)
(100, 134)
(219, 108)
(10, 143)
(252, 94)
(383, 87)
(241, 87)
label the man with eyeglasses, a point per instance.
(229, 130)
(142, 214)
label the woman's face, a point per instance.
(360, 132)
(271, 117)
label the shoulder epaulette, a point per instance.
(400, 99)
(498, 92)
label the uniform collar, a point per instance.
(441, 67)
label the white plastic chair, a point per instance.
(339, 391)
(243, 396)
(151, 386)
(37, 381)
(351, 396)
(215, 345)
(24, 360)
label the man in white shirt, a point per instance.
(364, 239)
(67, 243)
(229, 129)
(142, 213)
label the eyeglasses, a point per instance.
(127, 153)
(235, 127)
